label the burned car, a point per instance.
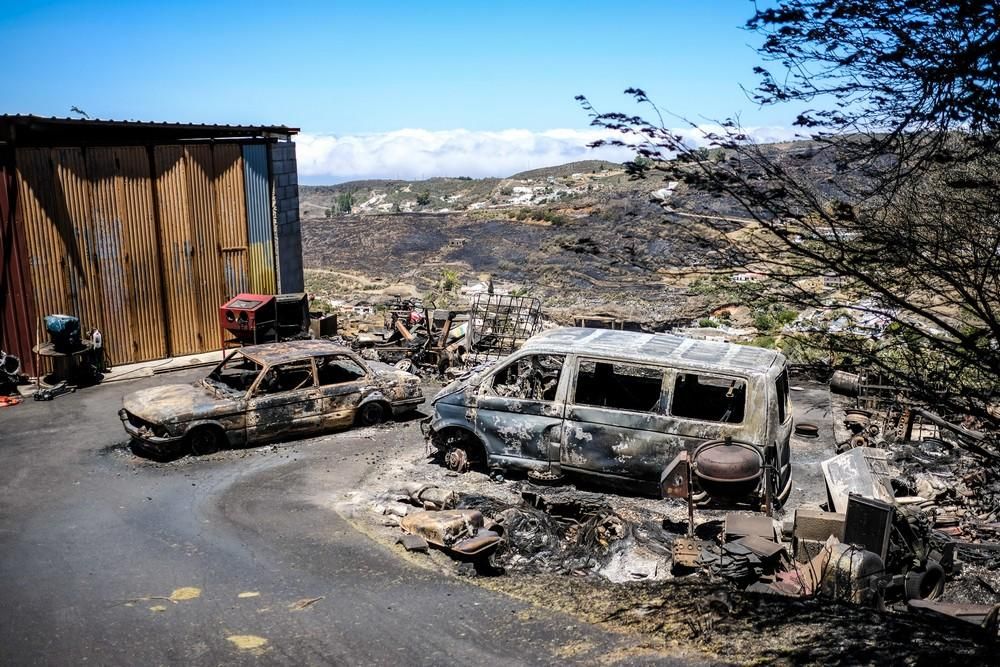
(619, 406)
(265, 392)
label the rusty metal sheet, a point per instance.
(177, 251)
(260, 222)
(134, 188)
(51, 250)
(17, 312)
(124, 249)
(231, 216)
(207, 255)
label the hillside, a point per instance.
(584, 237)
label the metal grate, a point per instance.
(499, 324)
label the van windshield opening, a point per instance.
(709, 398)
(619, 386)
(533, 378)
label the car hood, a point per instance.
(177, 402)
(472, 376)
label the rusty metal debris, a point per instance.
(462, 532)
(499, 324)
(985, 617)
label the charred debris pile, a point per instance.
(909, 529)
(429, 341)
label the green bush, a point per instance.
(763, 341)
(763, 321)
(424, 198)
(708, 322)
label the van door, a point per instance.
(519, 410)
(782, 430)
(614, 421)
(284, 401)
(705, 406)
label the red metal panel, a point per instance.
(17, 311)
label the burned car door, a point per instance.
(284, 401)
(341, 382)
(518, 414)
(615, 420)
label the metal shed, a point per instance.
(141, 229)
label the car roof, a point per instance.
(657, 348)
(279, 353)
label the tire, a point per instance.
(204, 440)
(926, 583)
(371, 414)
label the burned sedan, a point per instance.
(619, 406)
(265, 392)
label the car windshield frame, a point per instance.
(215, 382)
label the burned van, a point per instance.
(620, 406)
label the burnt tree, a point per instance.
(904, 110)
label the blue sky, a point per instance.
(353, 75)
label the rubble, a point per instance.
(881, 542)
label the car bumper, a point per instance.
(402, 407)
(144, 435)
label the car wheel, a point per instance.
(204, 440)
(372, 413)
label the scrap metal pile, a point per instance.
(435, 340)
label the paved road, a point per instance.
(91, 543)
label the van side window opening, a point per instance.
(709, 398)
(533, 378)
(619, 386)
(781, 387)
(338, 368)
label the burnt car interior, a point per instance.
(287, 377)
(336, 369)
(708, 398)
(619, 386)
(533, 378)
(237, 372)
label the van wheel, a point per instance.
(205, 440)
(463, 454)
(372, 413)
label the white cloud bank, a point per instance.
(416, 154)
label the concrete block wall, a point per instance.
(288, 231)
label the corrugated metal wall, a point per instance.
(232, 211)
(259, 219)
(124, 228)
(144, 244)
(17, 313)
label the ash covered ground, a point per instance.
(605, 558)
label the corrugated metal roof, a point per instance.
(656, 348)
(107, 122)
(27, 130)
